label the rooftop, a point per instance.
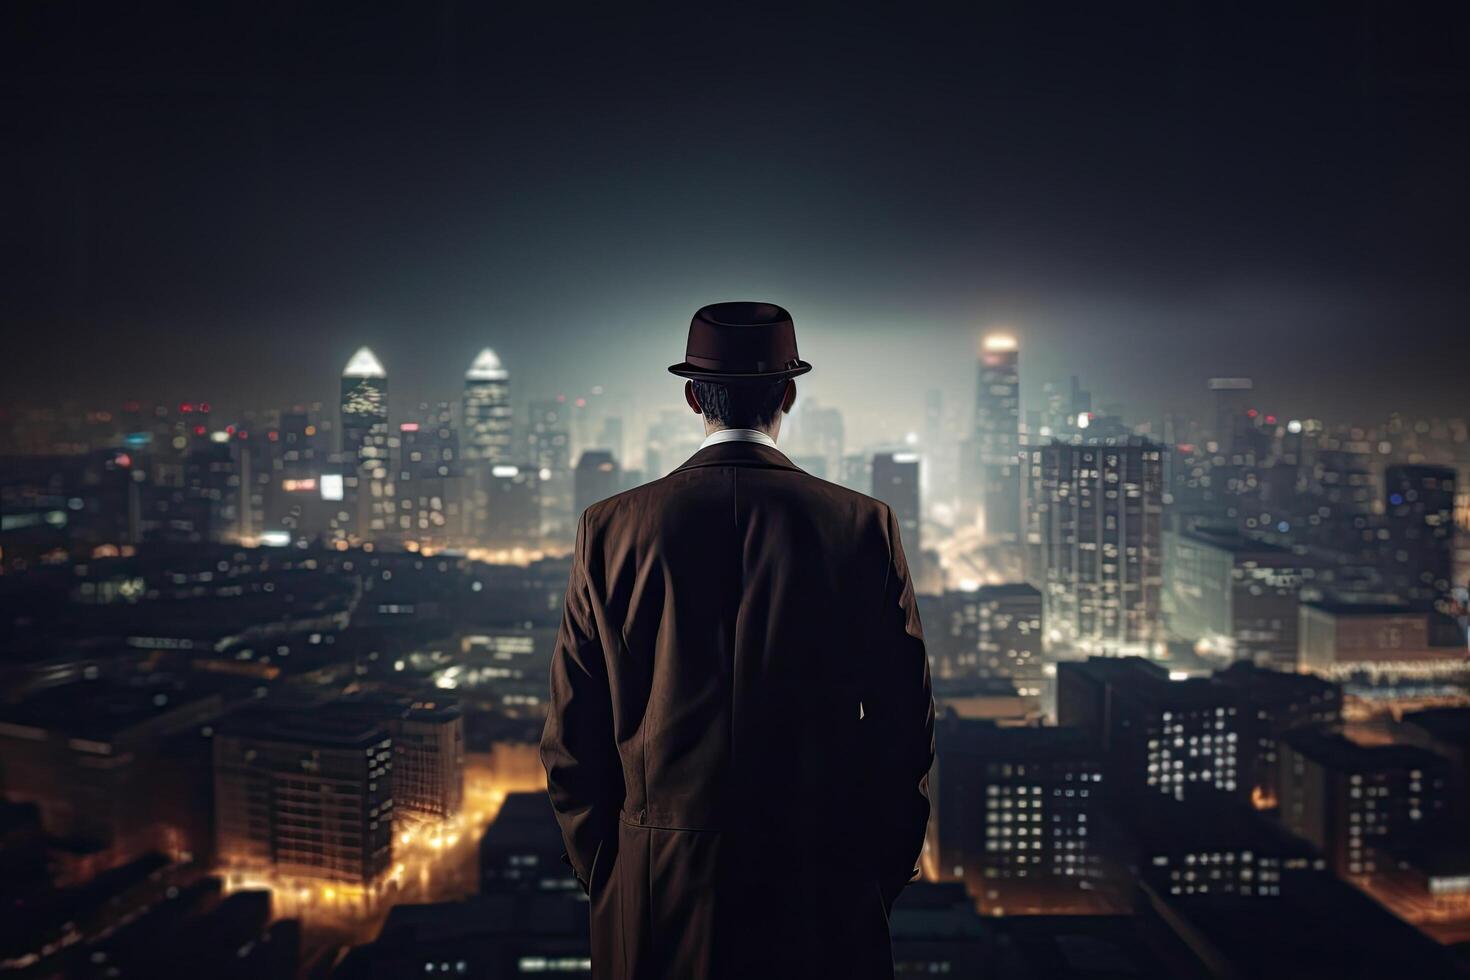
(1345, 608)
(981, 737)
(364, 364)
(334, 724)
(1339, 752)
(104, 710)
(487, 367)
(1450, 725)
(1229, 539)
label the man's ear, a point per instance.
(790, 398)
(689, 397)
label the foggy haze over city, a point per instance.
(210, 209)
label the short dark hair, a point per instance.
(740, 404)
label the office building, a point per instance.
(1446, 733)
(1417, 556)
(597, 478)
(1361, 805)
(428, 759)
(1016, 813)
(521, 850)
(1232, 421)
(991, 478)
(429, 485)
(366, 485)
(305, 796)
(489, 423)
(1233, 597)
(994, 631)
(935, 931)
(1228, 853)
(103, 762)
(509, 506)
(1175, 739)
(896, 483)
(816, 435)
(1345, 639)
(1274, 703)
(1099, 508)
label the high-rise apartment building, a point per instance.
(305, 796)
(597, 478)
(489, 422)
(1417, 557)
(896, 483)
(1016, 814)
(1361, 805)
(366, 485)
(1099, 508)
(429, 485)
(992, 475)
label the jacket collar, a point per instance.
(737, 453)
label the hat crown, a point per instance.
(742, 314)
(741, 340)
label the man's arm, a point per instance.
(578, 748)
(898, 725)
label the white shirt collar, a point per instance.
(737, 435)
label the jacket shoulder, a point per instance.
(646, 498)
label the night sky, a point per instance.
(210, 206)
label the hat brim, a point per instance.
(686, 370)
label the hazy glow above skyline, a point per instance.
(1144, 213)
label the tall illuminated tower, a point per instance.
(488, 421)
(993, 480)
(365, 443)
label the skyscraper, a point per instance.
(1100, 512)
(1417, 557)
(429, 490)
(488, 418)
(1012, 814)
(305, 796)
(896, 483)
(993, 479)
(1232, 396)
(364, 427)
(549, 452)
(598, 477)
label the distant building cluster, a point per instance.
(1203, 682)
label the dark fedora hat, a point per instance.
(741, 342)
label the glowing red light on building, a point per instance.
(186, 407)
(581, 403)
(1251, 413)
(408, 427)
(123, 459)
(204, 407)
(199, 430)
(1270, 420)
(242, 434)
(273, 435)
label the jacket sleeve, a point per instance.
(898, 726)
(578, 748)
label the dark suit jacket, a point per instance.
(741, 725)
